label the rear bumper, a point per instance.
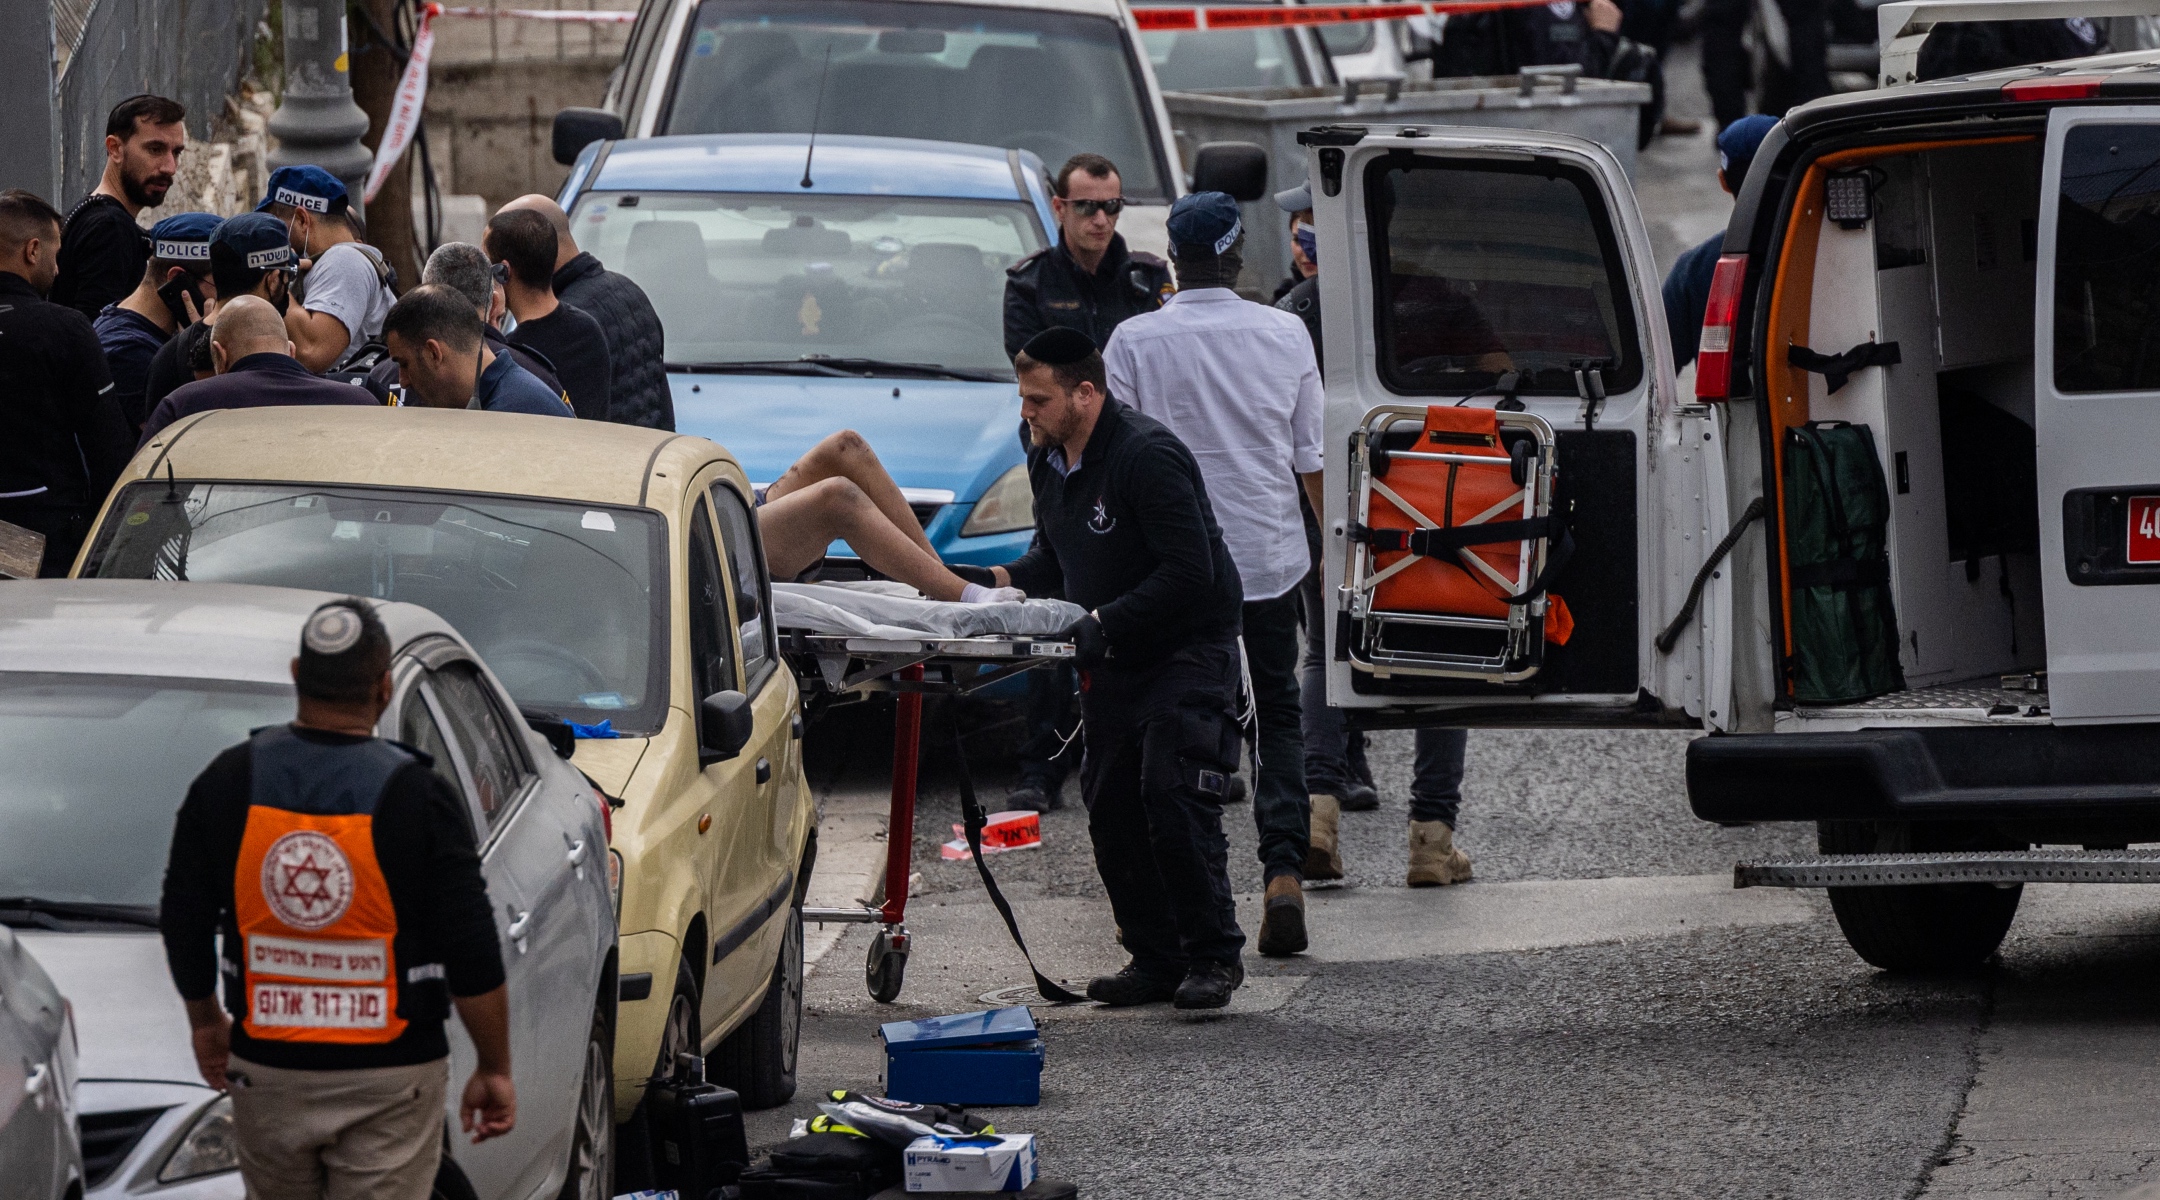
(2031, 773)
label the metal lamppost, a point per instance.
(318, 122)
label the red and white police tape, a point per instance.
(412, 89)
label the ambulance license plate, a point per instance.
(2141, 542)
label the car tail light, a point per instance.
(607, 815)
(2053, 87)
(1713, 354)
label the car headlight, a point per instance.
(1007, 505)
(614, 879)
(209, 1147)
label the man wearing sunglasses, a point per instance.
(1089, 281)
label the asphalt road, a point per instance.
(1598, 1014)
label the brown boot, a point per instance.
(1282, 923)
(1323, 857)
(1434, 860)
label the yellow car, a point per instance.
(612, 578)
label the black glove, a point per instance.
(982, 576)
(1090, 644)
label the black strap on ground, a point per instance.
(972, 815)
(1837, 368)
(1671, 636)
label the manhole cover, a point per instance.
(1023, 994)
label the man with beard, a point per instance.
(103, 251)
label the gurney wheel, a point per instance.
(884, 969)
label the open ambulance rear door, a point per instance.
(1517, 499)
(2096, 343)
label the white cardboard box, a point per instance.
(1003, 1162)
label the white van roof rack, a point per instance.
(1902, 25)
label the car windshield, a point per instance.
(97, 766)
(744, 277)
(1019, 78)
(1192, 60)
(565, 602)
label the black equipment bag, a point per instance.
(699, 1143)
(1837, 514)
(824, 1166)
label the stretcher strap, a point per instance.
(1837, 368)
(971, 813)
(1433, 542)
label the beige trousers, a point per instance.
(373, 1134)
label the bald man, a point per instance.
(637, 345)
(255, 369)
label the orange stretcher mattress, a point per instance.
(1450, 495)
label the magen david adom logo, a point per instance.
(307, 880)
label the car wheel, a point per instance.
(758, 1060)
(680, 1035)
(1935, 928)
(592, 1141)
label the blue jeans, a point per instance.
(1331, 751)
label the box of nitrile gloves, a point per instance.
(995, 1162)
(990, 1057)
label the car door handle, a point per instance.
(764, 770)
(577, 854)
(518, 927)
(34, 1084)
(795, 727)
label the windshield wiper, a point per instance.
(57, 914)
(849, 368)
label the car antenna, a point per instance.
(817, 114)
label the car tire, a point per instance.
(680, 1035)
(758, 1060)
(1931, 929)
(591, 1173)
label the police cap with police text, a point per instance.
(1204, 223)
(183, 237)
(308, 187)
(257, 239)
(1059, 346)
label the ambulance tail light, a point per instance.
(2053, 87)
(1713, 354)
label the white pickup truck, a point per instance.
(1898, 554)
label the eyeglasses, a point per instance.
(1088, 208)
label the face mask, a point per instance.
(1309, 242)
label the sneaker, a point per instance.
(1282, 924)
(1028, 797)
(1131, 986)
(1359, 797)
(1434, 860)
(1208, 985)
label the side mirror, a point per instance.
(725, 724)
(1239, 168)
(577, 128)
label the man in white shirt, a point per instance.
(1236, 381)
(345, 292)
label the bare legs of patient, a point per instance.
(839, 490)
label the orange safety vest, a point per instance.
(318, 958)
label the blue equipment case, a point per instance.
(979, 1058)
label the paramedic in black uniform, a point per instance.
(1123, 529)
(1090, 282)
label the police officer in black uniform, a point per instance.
(62, 438)
(1090, 282)
(1124, 530)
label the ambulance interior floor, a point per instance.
(1598, 1014)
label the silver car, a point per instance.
(113, 696)
(39, 1157)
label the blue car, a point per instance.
(857, 287)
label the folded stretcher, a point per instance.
(1453, 545)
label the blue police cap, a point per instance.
(308, 187)
(1737, 145)
(257, 239)
(183, 237)
(1205, 222)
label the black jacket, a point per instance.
(424, 845)
(576, 345)
(1303, 302)
(636, 342)
(1130, 536)
(257, 381)
(384, 374)
(102, 255)
(62, 437)
(1048, 288)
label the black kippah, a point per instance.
(1059, 346)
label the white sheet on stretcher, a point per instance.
(893, 610)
